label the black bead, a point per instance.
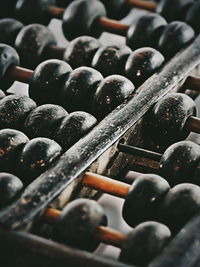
(74, 127)
(78, 222)
(80, 51)
(197, 175)
(43, 120)
(2, 95)
(34, 11)
(14, 110)
(179, 162)
(47, 81)
(144, 243)
(11, 142)
(144, 198)
(10, 186)
(180, 204)
(166, 120)
(31, 43)
(111, 92)
(8, 57)
(116, 9)
(173, 10)
(192, 16)
(142, 63)
(140, 32)
(9, 29)
(35, 157)
(80, 16)
(79, 87)
(111, 59)
(63, 3)
(174, 37)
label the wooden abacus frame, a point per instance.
(100, 145)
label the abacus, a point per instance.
(95, 112)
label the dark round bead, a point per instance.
(144, 198)
(173, 10)
(142, 63)
(31, 43)
(74, 127)
(9, 29)
(174, 37)
(80, 17)
(111, 59)
(47, 81)
(111, 92)
(179, 162)
(192, 16)
(197, 175)
(35, 157)
(10, 186)
(80, 51)
(11, 142)
(34, 11)
(144, 243)
(166, 120)
(116, 9)
(140, 32)
(14, 110)
(2, 95)
(79, 87)
(43, 120)
(180, 204)
(78, 222)
(63, 3)
(8, 57)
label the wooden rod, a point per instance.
(147, 5)
(112, 26)
(20, 74)
(136, 151)
(105, 234)
(56, 12)
(192, 83)
(110, 236)
(105, 184)
(193, 124)
(54, 51)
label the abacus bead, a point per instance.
(80, 17)
(140, 32)
(197, 175)
(78, 222)
(74, 127)
(34, 11)
(116, 9)
(7, 9)
(111, 59)
(8, 57)
(167, 118)
(144, 243)
(63, 3)
(111, 92)
(192, 16)
(47, 81)
(10, 186)
(142, 63)
(180, 204)
(11, 142)
(31, 43)
(174, 37)
(173, 10)
(179, 161)
(144, 198)
(14, 110)
(2, 95)
(85, 46)
(35, 157)
(79, 87)
(9, 29)
(43, 120)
